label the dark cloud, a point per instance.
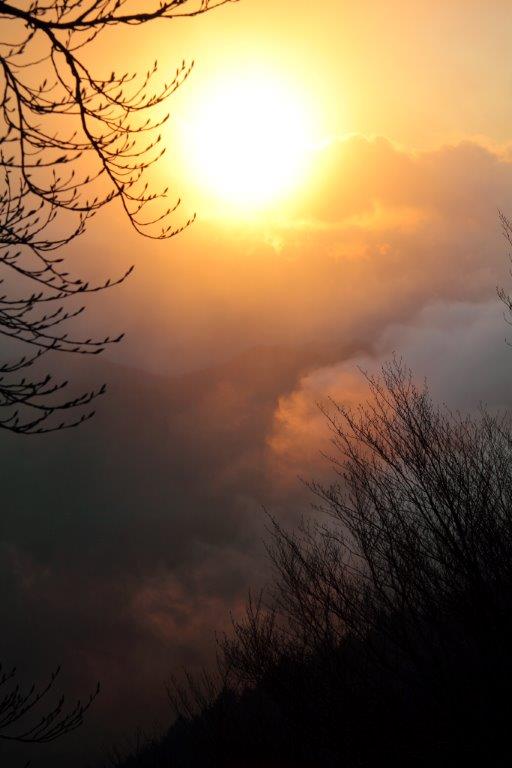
(126, 544)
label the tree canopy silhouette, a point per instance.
(73, 138)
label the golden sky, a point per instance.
(405, 113)
(419, 73)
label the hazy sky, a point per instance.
(138, 534)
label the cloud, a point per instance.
(458, 348)
(124, 545)
(378, 234)
(356, 175)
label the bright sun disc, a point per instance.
(249, 141)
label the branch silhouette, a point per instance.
(71, 142)
(18, 705)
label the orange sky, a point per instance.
(419, 73)
(395, 214)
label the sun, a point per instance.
(248, 140)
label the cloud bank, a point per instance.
(125, 545)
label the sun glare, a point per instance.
(248, 140)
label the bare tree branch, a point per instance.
(71, 142)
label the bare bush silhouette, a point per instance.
(71, 142)
(386, 635)
(397, 601)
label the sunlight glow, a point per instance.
(249, 140)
